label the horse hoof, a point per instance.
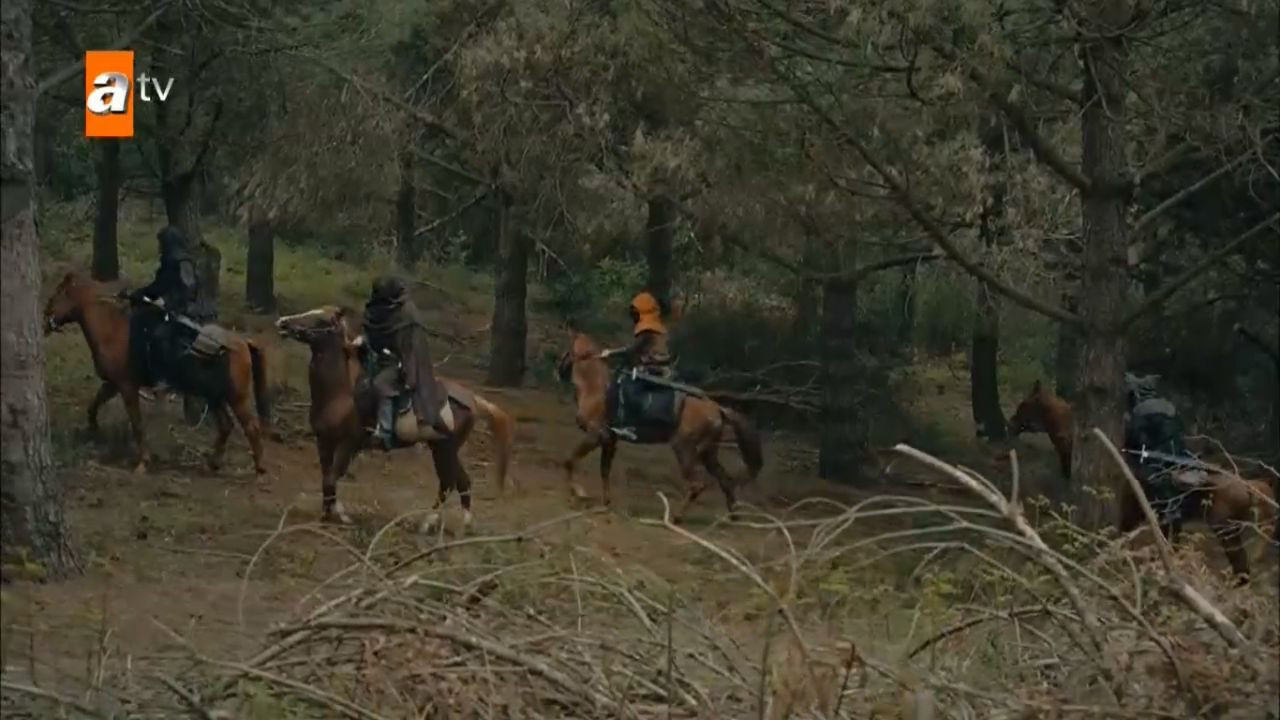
(335, 514)
(466, 520)
(430, 524)
(140, 468)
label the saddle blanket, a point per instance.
(638, 402)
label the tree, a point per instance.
(106, 249)
(259, 276)
(34, 528)
(509, 327)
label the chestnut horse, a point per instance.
(696, 438)
(226, 383)
(341, 417)
(1225, 501)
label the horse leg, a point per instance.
(608, 449)
(687, 458)
(134, 411)
(711, 461)
(451, 476)
(106, 391)
(248, 420)
(585, 446)
(1230, 529)
(223, 420)
(335, 458)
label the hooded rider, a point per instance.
(394, 331)
(1152, 425)
(174, 288)
(648, 351)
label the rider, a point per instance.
(175, 287)
(1152, 425)
(395, 333)
(649, 349)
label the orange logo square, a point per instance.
(108, 94)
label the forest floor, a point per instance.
(171, 550)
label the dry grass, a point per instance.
(980, 617)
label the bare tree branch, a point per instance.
(70, 71)
(1144, 222)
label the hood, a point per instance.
(388, 290)
(173, 243)
(649, 313)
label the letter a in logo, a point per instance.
(108, 94)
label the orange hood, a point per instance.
(646, 306)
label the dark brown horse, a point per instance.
(696, 438)
(341, 414)
(1226, 502)
(227, 383)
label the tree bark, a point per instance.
(984, 375)
(1104, 279)
(106, 249)
(259, 276)
(408, 244)
(33, 534)
(843, 439)
(509, 327)
(907, 305)
(660, 232)
(1066, 369)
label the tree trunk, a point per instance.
(984, 376)
(907, 305)
(509, 328)
(260, 270)
(843, 440)
(660, 232)
(106, 249)
(1104, 280)
(33, 534)
(408, 244)
(181, 211)
(1067, 355)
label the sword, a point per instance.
(1179, 460)
(696, 392)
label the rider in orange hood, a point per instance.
(649, 349)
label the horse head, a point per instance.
(315, 327)
(66, 304)
(581, 347)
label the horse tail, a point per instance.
(748, 441)
(503, 427)
(261, 398)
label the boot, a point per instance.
(385, 430)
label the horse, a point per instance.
(695, 438)
(1043, 411)
(1221, 499)
(226, 383)
(342, 414)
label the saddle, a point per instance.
(406, 427)
(643, 407)
(203, 341)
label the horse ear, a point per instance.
(1036, 389)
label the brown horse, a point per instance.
(341, 415)
(1043, 411)
(696, 438)
(1221, 499)
(226, 383)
